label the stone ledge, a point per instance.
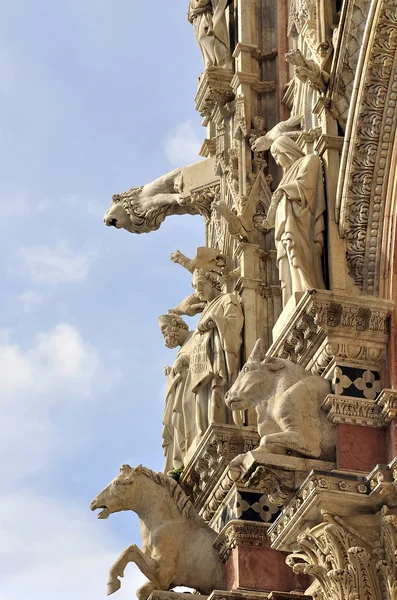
(207, 465)
(170, 595)
(328, 330)
(362, 411)
(337, 493)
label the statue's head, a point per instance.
(205, 284)
(119, 494)
(255, 380)
(285, 151)
(173, 328)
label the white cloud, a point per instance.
(43, 264)
(30, 300)
(60, 370)
(182, 145)
(51, 550)
(60, 359)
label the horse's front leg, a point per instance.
(144, 563)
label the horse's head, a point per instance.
(119, 494)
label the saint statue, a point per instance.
(296, 214)
(179, 414)
(215, 351)
(211, 31)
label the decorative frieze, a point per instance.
(367, 154)
(216, 450)
(343, 338)
(237, 533)
(333, 493)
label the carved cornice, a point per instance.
(216, 450)
(366, 158)
(240, 594)
(327, 329)
(335, 493)
(361, 411)
(214, 91)
(240, 533)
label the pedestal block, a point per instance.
(250, 564)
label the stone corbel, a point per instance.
(214, 91)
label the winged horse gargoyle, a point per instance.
(177, 544)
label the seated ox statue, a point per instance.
(177, 544)
(143, 209)
(287, 400)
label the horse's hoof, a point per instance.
(113, 586)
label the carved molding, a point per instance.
(216, 450)
(277, 484)
(203, 199)
(240, 533)
(334, 493)
(214, 91)
(366, 158)
(327, 331)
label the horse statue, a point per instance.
(143, 209)
(177, 544)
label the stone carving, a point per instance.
(143, 209)
(347, 564)
(178, 418)
(206, 258)
(211, 31)
(296, 213)
(348, 41)
(289, 127)
(175, 539)
(277, 484)
(287, 400)
(308, 71)
(365, 168)
(214, 362)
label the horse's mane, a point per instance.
(182, 502)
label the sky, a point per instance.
(96, 96)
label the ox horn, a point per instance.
(258, 353)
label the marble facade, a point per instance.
(284, 450)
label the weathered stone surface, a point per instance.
(175, 539)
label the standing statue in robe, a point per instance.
(215, 354)
(179, 414)
(211, 31)
(296, 214)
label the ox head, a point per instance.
(116, 215)
(256, 379)
(119, 494)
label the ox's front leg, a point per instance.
(145, 564)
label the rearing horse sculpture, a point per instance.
(175, 539)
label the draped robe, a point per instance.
(210, 29)
(214, 360)
(297, 217)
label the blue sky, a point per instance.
(96, 96)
